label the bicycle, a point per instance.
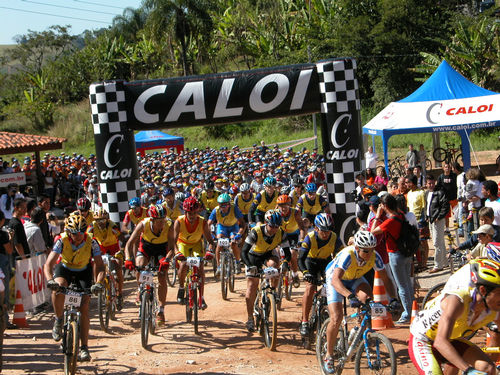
(149, 301)
(396, 166)
(319, 313)
(73, 297)
(362, 340)
(285, 284)
(107, 298)
(227, 267)
(449, 154)
(194, 297)
(265, 309)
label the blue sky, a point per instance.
(17, 16)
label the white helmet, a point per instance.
(365, 239)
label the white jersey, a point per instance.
(459, 280)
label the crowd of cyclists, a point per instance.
(272, 207)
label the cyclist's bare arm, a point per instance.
(452, 308)
(131, 245)
(208, 235)
(99, 268)
(49, 264)
(177, 228)
(337, 282)
(302, 226)
(171, 245)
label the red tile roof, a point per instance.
(14, 143)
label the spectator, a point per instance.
(485, 235)
(49, 183)
(5, 254)
(33, 232)
(485, 217)
(44, 203)
(436, 208)
(19, 238)
(447, 182)
(417, 171)
(461, 181)
(371, 158)
(7, 201)
(422, 156)
(369, 176)
(473, 196)
(411, 156)
(381, 178)
(490, 192)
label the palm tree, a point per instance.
(129, 23)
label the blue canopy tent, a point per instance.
(149, 140)
(447, 101)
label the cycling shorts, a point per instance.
(427, 359)
(111, 249)
(333, 296)
(191, 250)
(148, 250)
(82, 278)
(226, 231)
(308, 216)
(259, 216)
(258, 261)
(293, 239)
(316, 268)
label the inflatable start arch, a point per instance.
(330, 87)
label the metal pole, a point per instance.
(315, 127)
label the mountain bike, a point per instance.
(372, 351)
(73, 297)
(265, 309)
(319, 313)
(227, 267)
(149, 300)
(107, 298)
(396, 166)
(193, 298)
(449, 154)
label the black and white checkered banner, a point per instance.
(342, 142)
(329, 87)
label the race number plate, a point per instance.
(378, 310)
(271, 272)
(223, 242)
(146, 277)
(193, 261)
(73, 299)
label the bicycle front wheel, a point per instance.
(103, 307)
(459, 159)
(439, 154)
(72, 346)
(287, 284)
(339, 352)
(224, 276)
(145, 318)
(195, 309)
(270, 322)
(187, 301)
(172, 274)
(432, 293)
(154, 310)
(231, 273)
(378, 358)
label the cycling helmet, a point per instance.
(101, 213)
(224, 198)
(365, 239)
(311, 187)
(234, 189)
(244, 187)
(167, 191)
(75, 224)
(324, 222)
(312, 168)
(493, 251)
(83, 204)
(209, 185)
(285, 190)
(134, 202)
(180, 196)
(157, 211)
(485, 272)
(190, 204)
(284, 199)
(269, 181)
(273, 218)
(297, 180)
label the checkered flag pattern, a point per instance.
(339, 94)
(109, 117)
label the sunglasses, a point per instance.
(366, 251)
(274, 226)
(225, 204)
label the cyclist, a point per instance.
(230, 224)
(155, 238)
(311, 204)
(265, 200)
(83, 209)
(298, 186)
(149, 195)
(316, 251)
(133, 216)
(75, 248)
(344, 278)
(259, 249)
(107, 235)
(172, 205)
(295, 231)
(244, 200)
(189, 230)
(437, 333)
(209, 197)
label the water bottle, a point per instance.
(352, 333)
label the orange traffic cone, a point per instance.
(380, 296)
(19, 314)
(414, 310)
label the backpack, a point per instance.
(408, 240)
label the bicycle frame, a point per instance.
(193, 280)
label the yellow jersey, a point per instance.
(193, 235)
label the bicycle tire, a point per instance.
(214, 268)
(112, 299)
(189, 310)
(72, 346)
(172, 274)
(279, 292)
(288, 286)
(376, 360)
(232, 272)
(224, 281)
(433, 292)
(395, 172)
(195, 309)
(270, 322)
(439, 154)
(459, 159)
(103, 306)
(257, 311)
(145, 319)
(154, 310)
(321, 348)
